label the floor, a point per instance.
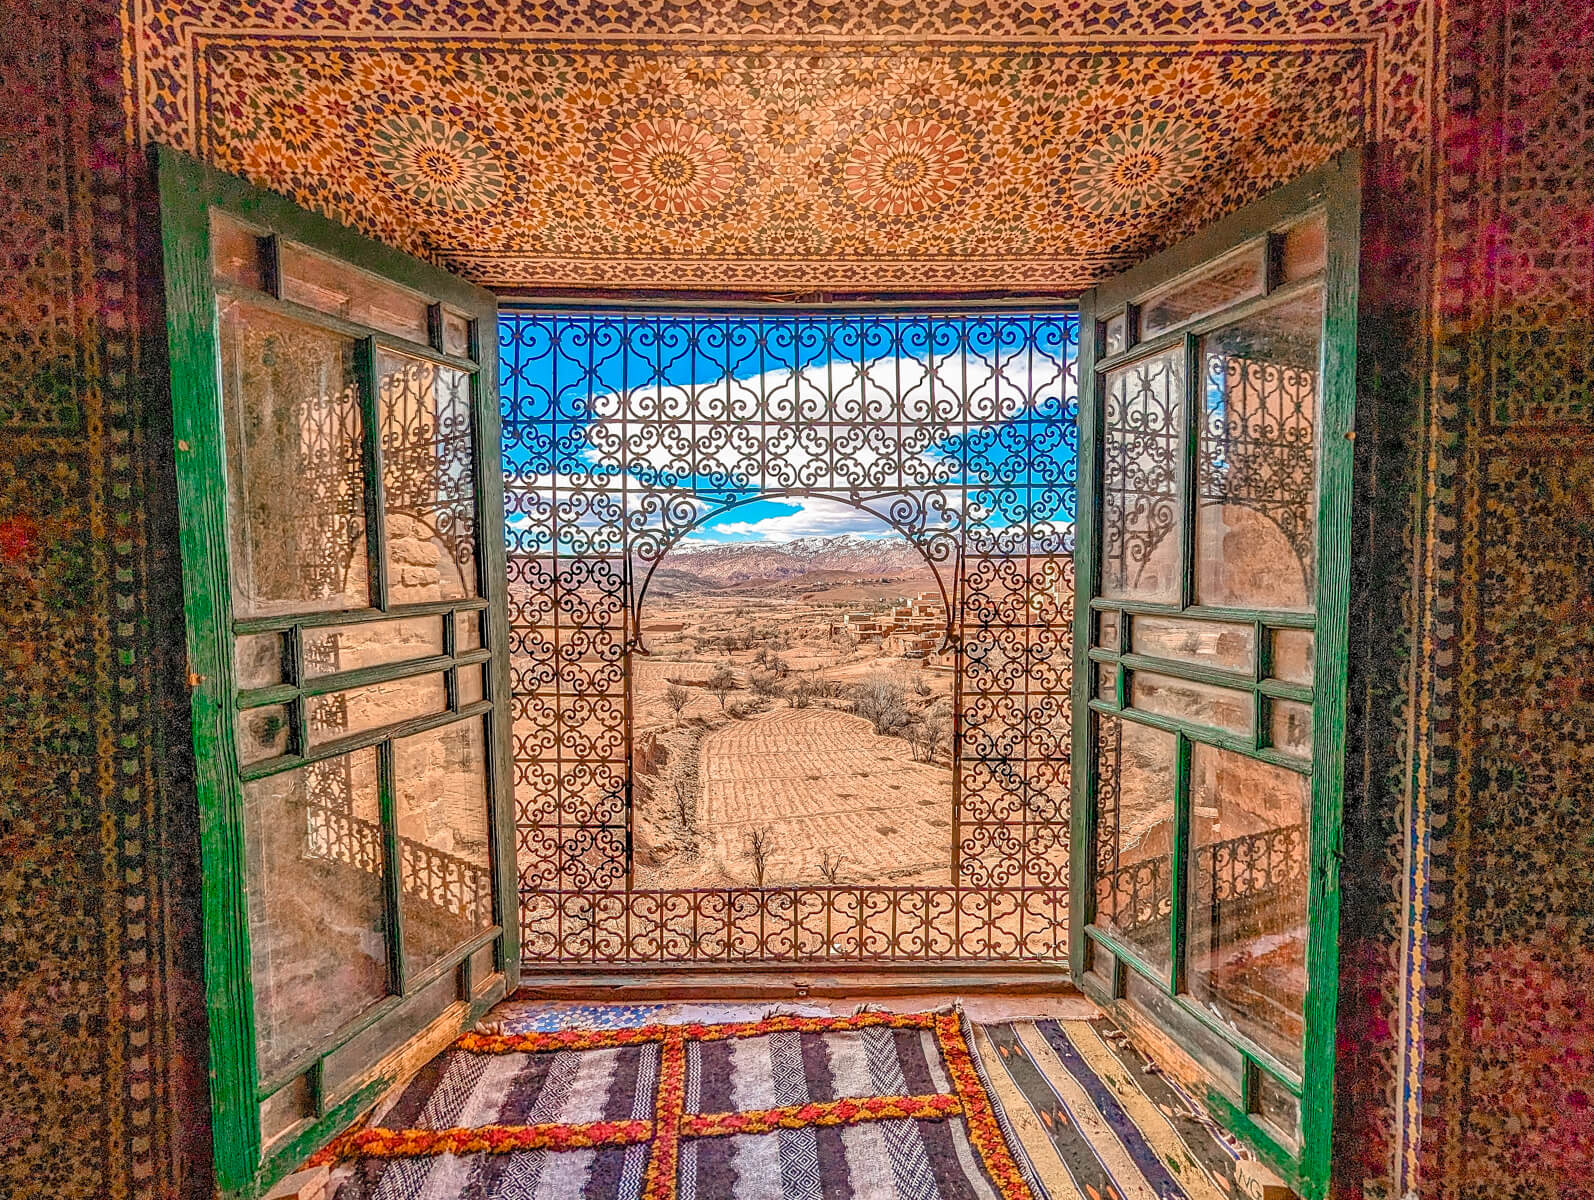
(1090, 1118)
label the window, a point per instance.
(635, 442)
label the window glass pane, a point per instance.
(235, 251)
(483, 965)
(340, 714)
(1292, 655)
(1227, 282)
(428, 474)
(456, 333)
(334, 287)
(1114, 334)
(1305, 248)
(347, 1066)
(1278, 1107)
(370, 643)
(1248, 847)
(1290, 727)
(1206, 1048)
(257, 659)
(441, 802)
(1107, 631)
(1107, 682)
(316, 920)
(286, 1108)
(471, 684)
(1209, 643)
(1142, 433)
(263, 733)
(467, 631)
(1134, 884)
(1186, 700)
(295, 487)
(1257, 465)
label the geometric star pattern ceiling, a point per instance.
(719, 147)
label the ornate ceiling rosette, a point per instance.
(903, 147)
(1143, 167)
(437, 164)
(672, 167)
(907, 167)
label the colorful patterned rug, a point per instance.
(875, 1106)
(1095, 1121)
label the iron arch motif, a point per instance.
(626, 430)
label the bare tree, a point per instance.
(764, 683)
(801, 693)
(830, 865)
(760, 848)
(722, 683)
(683, 806)
(676, 698)
(883, 704)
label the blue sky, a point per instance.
(572, 383)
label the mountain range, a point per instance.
(733, 564)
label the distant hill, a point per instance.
(751, 562)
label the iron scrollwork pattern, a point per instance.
(624, 431)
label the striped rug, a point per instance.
(1094, 1123)
(874, 1106)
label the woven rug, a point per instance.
(1094, 1120)
(875, 1106)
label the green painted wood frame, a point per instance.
(1335, 190)
(188, 192)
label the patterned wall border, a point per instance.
(156, 44)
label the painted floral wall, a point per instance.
(1466, 1015)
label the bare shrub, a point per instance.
(683, 806)
(800, 694)
(830, 865)
(760, 849)
(764, 683)
(676, 698)
(883, 704)
(722, 683)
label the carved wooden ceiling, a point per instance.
(825, 147)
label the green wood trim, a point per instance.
(355, 616)
(333, 323)
(1201, 326)
(322, 685)
(375, 488)
(455, 960)
(1131, 960)
(393, 861)
(1273, 618)
(1179, 883)
(360, 741)
(1087, 524)
(1278, 208)
(1334, 516)
(193, 343)
(188, 191)
(493, 569)
(1335, 189)
(1189, 468)
(310, 1135)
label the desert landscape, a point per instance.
(792, 717)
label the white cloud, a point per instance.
(891, 412)
(811, 518)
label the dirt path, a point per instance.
(821, 780)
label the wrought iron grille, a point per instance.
(623, 431)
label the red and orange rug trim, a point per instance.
(671, 1123)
